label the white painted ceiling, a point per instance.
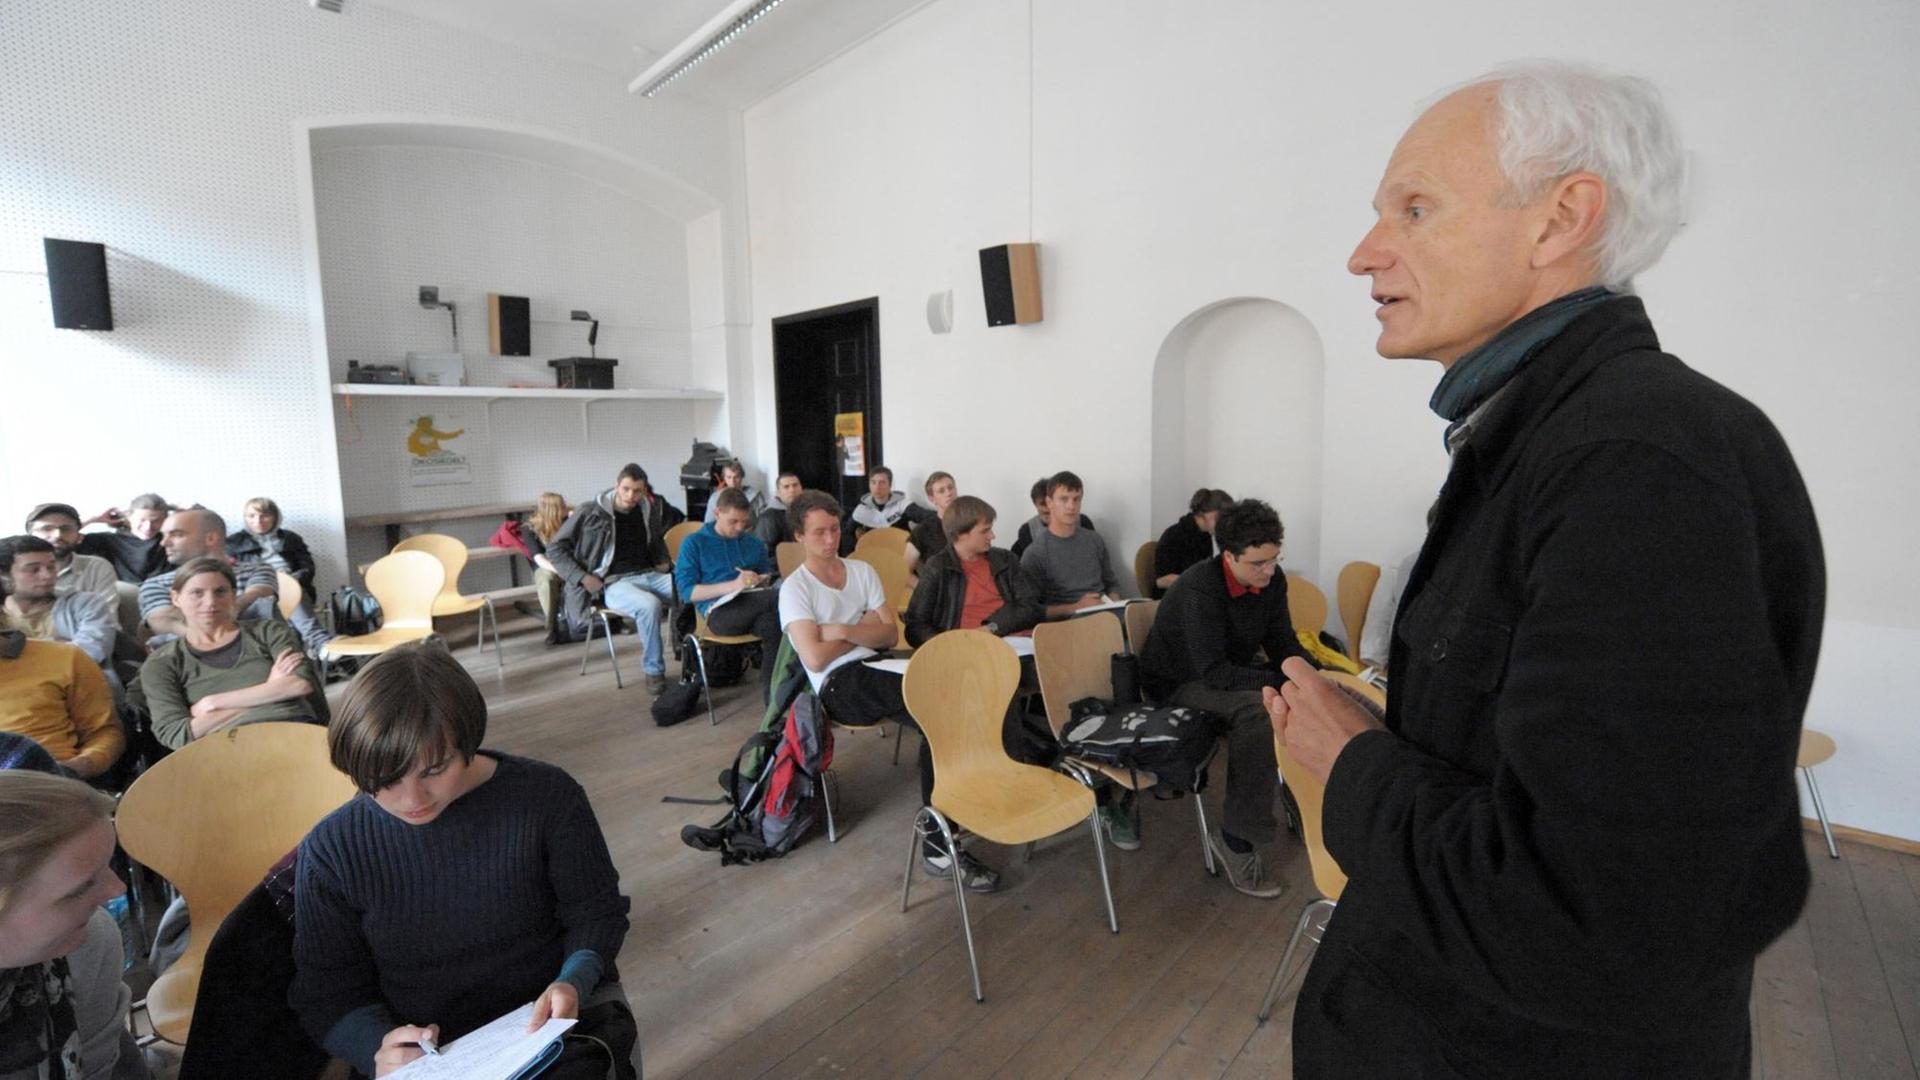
(624, 37)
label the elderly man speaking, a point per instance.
(1578, 824)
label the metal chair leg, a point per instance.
(952, 847)
(1206, 845)
(898, 739)
(1820, 809)
(827, 783)
(1280, 972)
(914, 838)
(1100, 853)
(606, 628)
(493, 616)
(706, 688)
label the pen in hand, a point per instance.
(426, 1043)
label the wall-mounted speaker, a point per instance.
(509, 326)
(77, 278)
(1010, 278)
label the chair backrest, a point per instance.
(892, 567)
(406, 583)
(957, 689)
(290, 593)
(451, 553)
(890, 539)
(1143, 566)
(1353, 589)
(1074, 660)
(788, 557)
(1309, 795)
(214, 816)
(1307, 605)
(677, 535)
(1140, 616)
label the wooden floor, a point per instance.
(806, 966)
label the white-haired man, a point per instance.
(1578, 825)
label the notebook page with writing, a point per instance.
(498, 1051)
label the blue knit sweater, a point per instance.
(454, 922)
(707, 558)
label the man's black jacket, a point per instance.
(942, 593)
(1582, 825)
(1203, 632)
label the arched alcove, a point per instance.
(1238, 405)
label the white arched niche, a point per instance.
(1238, 405)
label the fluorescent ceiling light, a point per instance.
(699, 45)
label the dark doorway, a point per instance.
(826, 363)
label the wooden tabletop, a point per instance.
(449, 513)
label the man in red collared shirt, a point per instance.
(1204, 653)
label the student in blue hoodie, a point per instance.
(724, 571)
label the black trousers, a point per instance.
(1251, 778)
(756, 613)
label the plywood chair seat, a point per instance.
(1010, 806)
(891, 538)
(289, 594)
(213, 818)
(788, 556)
(1815, 748)
(677, 535)
(892, 567)
(1307, 605)
(703, 636)
(377, 642)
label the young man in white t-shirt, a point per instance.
(836, 614)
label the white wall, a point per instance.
(169, 133)
(1185, 154)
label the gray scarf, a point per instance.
(1475, 377)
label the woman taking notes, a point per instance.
(459, 885)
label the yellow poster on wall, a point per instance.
(430, 462)
(849, 431)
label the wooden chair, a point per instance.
(1143, 566)
(1307, 605)
(290, 595)
(213, 817)
(892, 568)
(958, 689)
(703, 636)
(1815, 748)
(405, 583)
(1354, 591)
(1309, 795)
(788, 557)
(891, 538)
(1139, 623)
(453, 558)
(678, 535)
(1073, 659)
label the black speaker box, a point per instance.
(1010, 280)
(508, 330)
(77, 277)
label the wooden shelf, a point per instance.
(498, 393)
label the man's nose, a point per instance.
(1368, 256)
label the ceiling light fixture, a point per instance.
(699, 45)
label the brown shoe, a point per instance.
(1244, 872)
(656, 685)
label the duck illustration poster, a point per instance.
(433, 454)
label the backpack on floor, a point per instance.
(1172, 742)
(774, 789)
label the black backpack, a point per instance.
(355, 612)
(1172, 742)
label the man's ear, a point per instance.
(1575, 208)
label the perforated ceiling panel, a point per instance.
(166, 131)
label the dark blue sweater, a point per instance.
(454, 922)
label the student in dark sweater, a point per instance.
(458, 886)
(1202, 654)
(1189, 540)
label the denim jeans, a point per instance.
(643, 597)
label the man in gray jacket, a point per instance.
(612, 552)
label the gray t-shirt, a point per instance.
(1067, 569)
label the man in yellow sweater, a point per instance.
(53, 694)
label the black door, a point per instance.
(826, 363)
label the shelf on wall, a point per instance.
(493, 395)
(502, 392)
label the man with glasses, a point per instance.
(1204, 654)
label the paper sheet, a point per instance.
(497, 1051)
(1021, 646)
